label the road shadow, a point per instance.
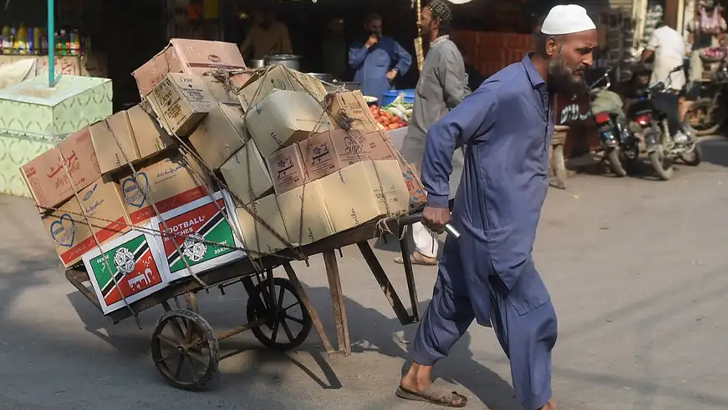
(715, 150)
(370, 331)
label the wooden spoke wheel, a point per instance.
(288, 323)
(185, 349)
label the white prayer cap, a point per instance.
(566, 20)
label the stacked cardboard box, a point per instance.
(183, 182)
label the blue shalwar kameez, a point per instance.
(372, 64)
(488, 273)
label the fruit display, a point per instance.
(393, 116)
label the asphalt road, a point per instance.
(636, 269)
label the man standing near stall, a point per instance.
(487, 274)
(268, 36)
(378, 60)
(442, 86)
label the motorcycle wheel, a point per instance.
(630, 158)
(698, 118)
(661, 164)
(694, 158)
(616, 163)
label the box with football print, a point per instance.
(136, 270)
(202, 233)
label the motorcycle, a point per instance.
(652, 124)
(620, 146)
(706, 115)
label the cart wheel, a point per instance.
(288, 328)
(185, 350)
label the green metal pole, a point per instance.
(51, 43)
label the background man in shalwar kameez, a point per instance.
(488, 274)
(377, 60)
(443, 84)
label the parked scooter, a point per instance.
(620, 146)
(652, 124)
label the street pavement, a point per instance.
(636, 269)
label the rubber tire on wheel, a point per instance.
(697, 156)
(616, 163)
(656, 160)
(705, 103)
(206, 340)
(254, 313)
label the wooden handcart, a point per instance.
(184, 347)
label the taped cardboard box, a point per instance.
(68, 229)
(279, 77)
(258, 239)
(169, 183)
(418, 196)
(187, 56)
(349, 109)
(246, 174)
(305, 214)
(286, 169)
(283, 118)
(181, 101)
(46, 177)
(136, 270)
(330, 151)
(220, 134)
(364, 191)
(114, 142)
(202, 231)
(149, 136)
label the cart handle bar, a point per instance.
(417, 217)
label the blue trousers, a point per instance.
(468, 288)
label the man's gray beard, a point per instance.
(561, 77)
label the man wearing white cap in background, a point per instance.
(488, 274)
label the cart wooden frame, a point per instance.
(193, 343)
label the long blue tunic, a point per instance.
(372, 64)
(487, 274)
(507, 126)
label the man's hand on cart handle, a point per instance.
(435, 218)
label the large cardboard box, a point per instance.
(169, 183)
(364, 191)
(46, 176)
(181, 101)
(220, 134)
(202, 231)
(246, 174)
(330, 151)
(279, 78)
(187, 56)
(114, 142)
(284, 117)
(136, 270)
(286, 169)
(349, 109)
(68, 229)
(305, 214)
(418, 196)
(149, 136)
(31, 108)
(258, 239)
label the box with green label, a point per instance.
(202, 233)
(132, 270)
(33, 108)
